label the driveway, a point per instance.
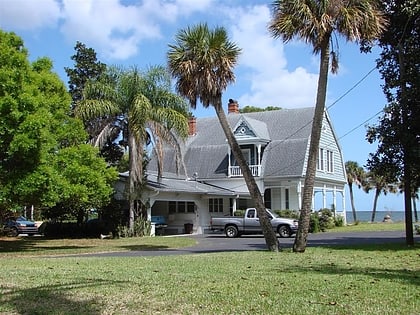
(215, 242)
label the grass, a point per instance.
(370, 227)
(324, 280)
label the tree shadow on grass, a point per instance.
(144, 247)
(29, 244)
(54, 299)
(409, 276)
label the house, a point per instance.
(275, 144)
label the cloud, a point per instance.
(264, 63)
(115, 28)
(23, 15)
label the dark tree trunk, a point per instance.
(375, 202)
(353, 208)
(305, 213)
(409, 237)
(269, 234)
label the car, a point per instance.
(19, 225)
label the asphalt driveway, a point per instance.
(216, 242)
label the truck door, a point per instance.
(251, 221)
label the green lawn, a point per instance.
(37, 279)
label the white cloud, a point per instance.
(115, 28)
(19, 15)
(264, 61)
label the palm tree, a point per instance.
(202, 62)
(136, 106)
(355, 175)
(381, 185)
(316, 22)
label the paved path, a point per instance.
(210, 243)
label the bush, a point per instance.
(314, 223)
(339, 221)
(142, 227)
(287, 213)
(239, 213)
(326, 220)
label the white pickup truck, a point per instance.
(250, 224)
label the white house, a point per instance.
(276, 145)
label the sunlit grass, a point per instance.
(363, 280)
(370, 227)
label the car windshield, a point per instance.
(21, 219)
(272, 214)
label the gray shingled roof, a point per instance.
(171, 183)
(288, 132)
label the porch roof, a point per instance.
(178, 184)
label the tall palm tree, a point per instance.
(381, 185)
(202, 62)
(316, 22)
(355, 175)
(137, 106)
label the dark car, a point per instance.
(19, 225)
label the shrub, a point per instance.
(314, 223)
(287, 213)
(239, 213)
(339, 221)
(326, 220)
(142, 227)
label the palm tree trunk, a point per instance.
(302, 233)
(131, 180)
(375, 202)
(416, 218)
(353, 208)
(267, 229)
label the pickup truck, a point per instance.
(250, 224)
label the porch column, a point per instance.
(335, 198)
(299, 194)
(313, 201)
(324, 197)
(259, 159)
(343, 193)
(233, 205)
(229, 163)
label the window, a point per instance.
(330, 161)
(287, 198)
(216, 205)
(181, 207)
(320, 160)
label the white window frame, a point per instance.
(320, 162)
(330, 161)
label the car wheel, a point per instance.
(13, 232)
(231, 231)
(284, 231)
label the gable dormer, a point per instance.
(252, 136)
(251, 131)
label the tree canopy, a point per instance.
(36, 131)
(398, 130)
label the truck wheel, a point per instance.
(231, 231)
(284, 231)
(13, 232)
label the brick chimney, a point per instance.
(233, 107)
(192, 126)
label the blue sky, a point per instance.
(269, 73)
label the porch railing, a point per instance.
(235, 171)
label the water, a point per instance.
(365, 216)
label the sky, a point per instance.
(269, 72)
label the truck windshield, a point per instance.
(271, 214)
